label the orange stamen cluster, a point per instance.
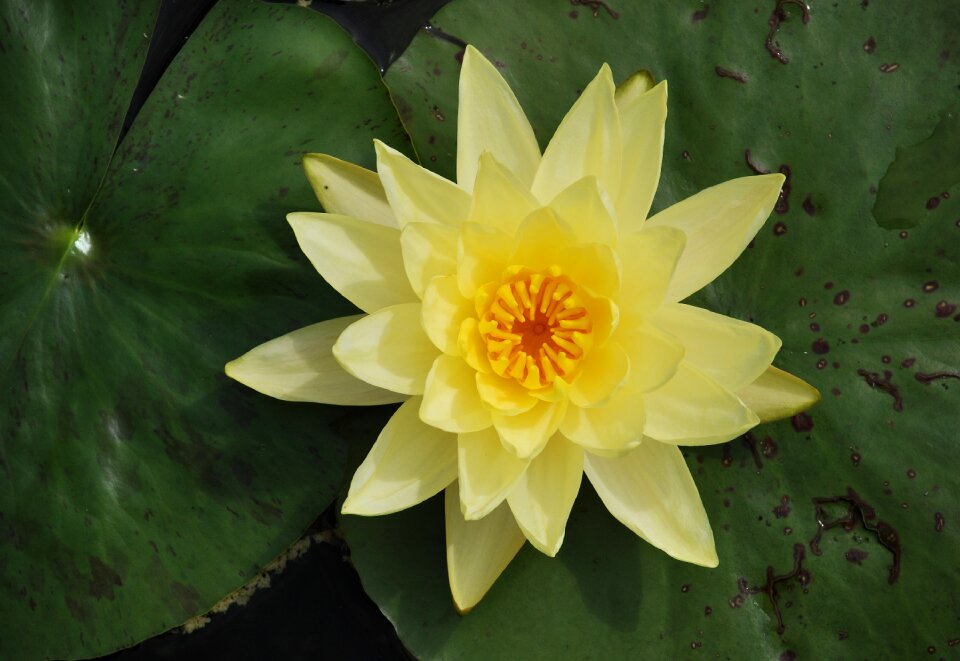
(535, 328)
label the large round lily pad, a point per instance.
(139, 485)
(867, 314)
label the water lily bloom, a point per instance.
(529, 318)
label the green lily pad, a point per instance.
(867, 315)
(139, 484)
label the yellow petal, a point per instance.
(444, 309)
(525, 434)
(490, 119)
(719, 222)
(477, 551)
(650, 490)
(482, 255)
(587, 210)
(450, 400)
(642, 122)
(472, 346)
(348, 189)
(648, 259)
(429, 250)
(388, 349)
(776, 394)
(499, 199)
(733, 353)
(591, 265)
(361, 260)
(417, 195)
(487, 472)
(505, 395)
(300, 367)
(611, 428)
(602, 372)
(587, 142)
(633, 87)
(540, 238)
(654, 356)
(410, 462)
(693, 409)
(543, 497)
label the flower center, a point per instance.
(536, 328)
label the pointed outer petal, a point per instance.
(693, 409)
(540, 238)
(499, 199)
(348, 189)
(541, 501)
(733, 353)
(591, 265)
(602, 372)
(504, 395)
(429, 250)
(388, 349)
(526, 434)
(361, 260)
(490, 119)
(487, 472)
(472, 346)
(719, 222)
(450, 400)
(587, 142)
(642, 123)
(613, 428)
(777, 394)
(477, 551)
(654, 356)
(482, 254)
(417, 195)
(588, 211)
(650, 491)
(300, 367)
(648, 259)
(639, 82)
(444, 309)
(410, 462)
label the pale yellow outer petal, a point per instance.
(410, 462)
(348, 189)
(487, 472)
(450, 400)
(650, 490)
(388, 349)
(633, 87)
(444, 309)
(361, 260)
(525, 434)
(587, 142)
(612, 428)
(733, 353)
(300, 367)
(417, 195)
(648, 259)
(482, 254)
(693, 409)
(499, 199)
(642, 122)
(776, 394)
(602, 372)
(587, 209)
(429, 250)
(490, 119)
(543, 497)
(719, 222)
(654, 356)
(504, 394)
(477, 551)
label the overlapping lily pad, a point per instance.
(869, 315)
(138, 485)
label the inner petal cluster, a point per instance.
(536, 328)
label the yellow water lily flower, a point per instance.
(528, 316)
